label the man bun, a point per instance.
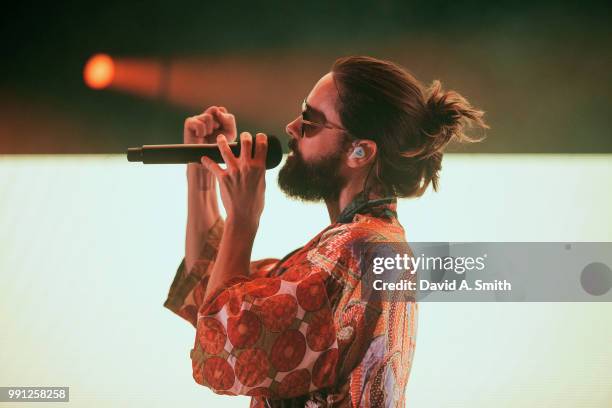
(381, 101)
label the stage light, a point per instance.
(99, 71)
(255, 87)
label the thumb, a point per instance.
(211, 166)
(226, 120)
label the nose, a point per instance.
(293, 128)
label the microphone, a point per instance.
(191, 153)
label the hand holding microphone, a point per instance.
(209, 139)
(199, 134)
(205, 128)
(242, 183)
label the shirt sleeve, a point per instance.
(385, 323)
(311, 330)
(381, 377)
(300, 333)
(268, 336)
(188, 287)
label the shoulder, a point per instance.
(364, 228)
(342, 246)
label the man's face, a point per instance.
(314, 169)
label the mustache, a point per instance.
(292, 145)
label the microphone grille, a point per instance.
(275, 152)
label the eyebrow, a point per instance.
(316, 112)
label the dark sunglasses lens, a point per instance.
(308, 129)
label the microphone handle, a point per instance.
(191, 153)
(178, 153)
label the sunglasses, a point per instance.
(308, 127)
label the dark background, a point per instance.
(541, 71)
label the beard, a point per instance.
(314, 182)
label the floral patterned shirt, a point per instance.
(297, 332)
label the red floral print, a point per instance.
(244, 330)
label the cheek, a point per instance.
(306, 151)
(309, 152)
(316, 147)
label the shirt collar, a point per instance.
(386, 206)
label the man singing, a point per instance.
(298, 332)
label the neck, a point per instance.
(347, 194)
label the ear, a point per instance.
(361, 153)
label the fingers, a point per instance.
(212, 123)
(242, 164)
(206, 125)
(246, 146)
(201, 125)
(196, 127)
(215, 117)
(207, 119)
(261, 148)
(211, 166)
(227, 121)
(228, 157)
